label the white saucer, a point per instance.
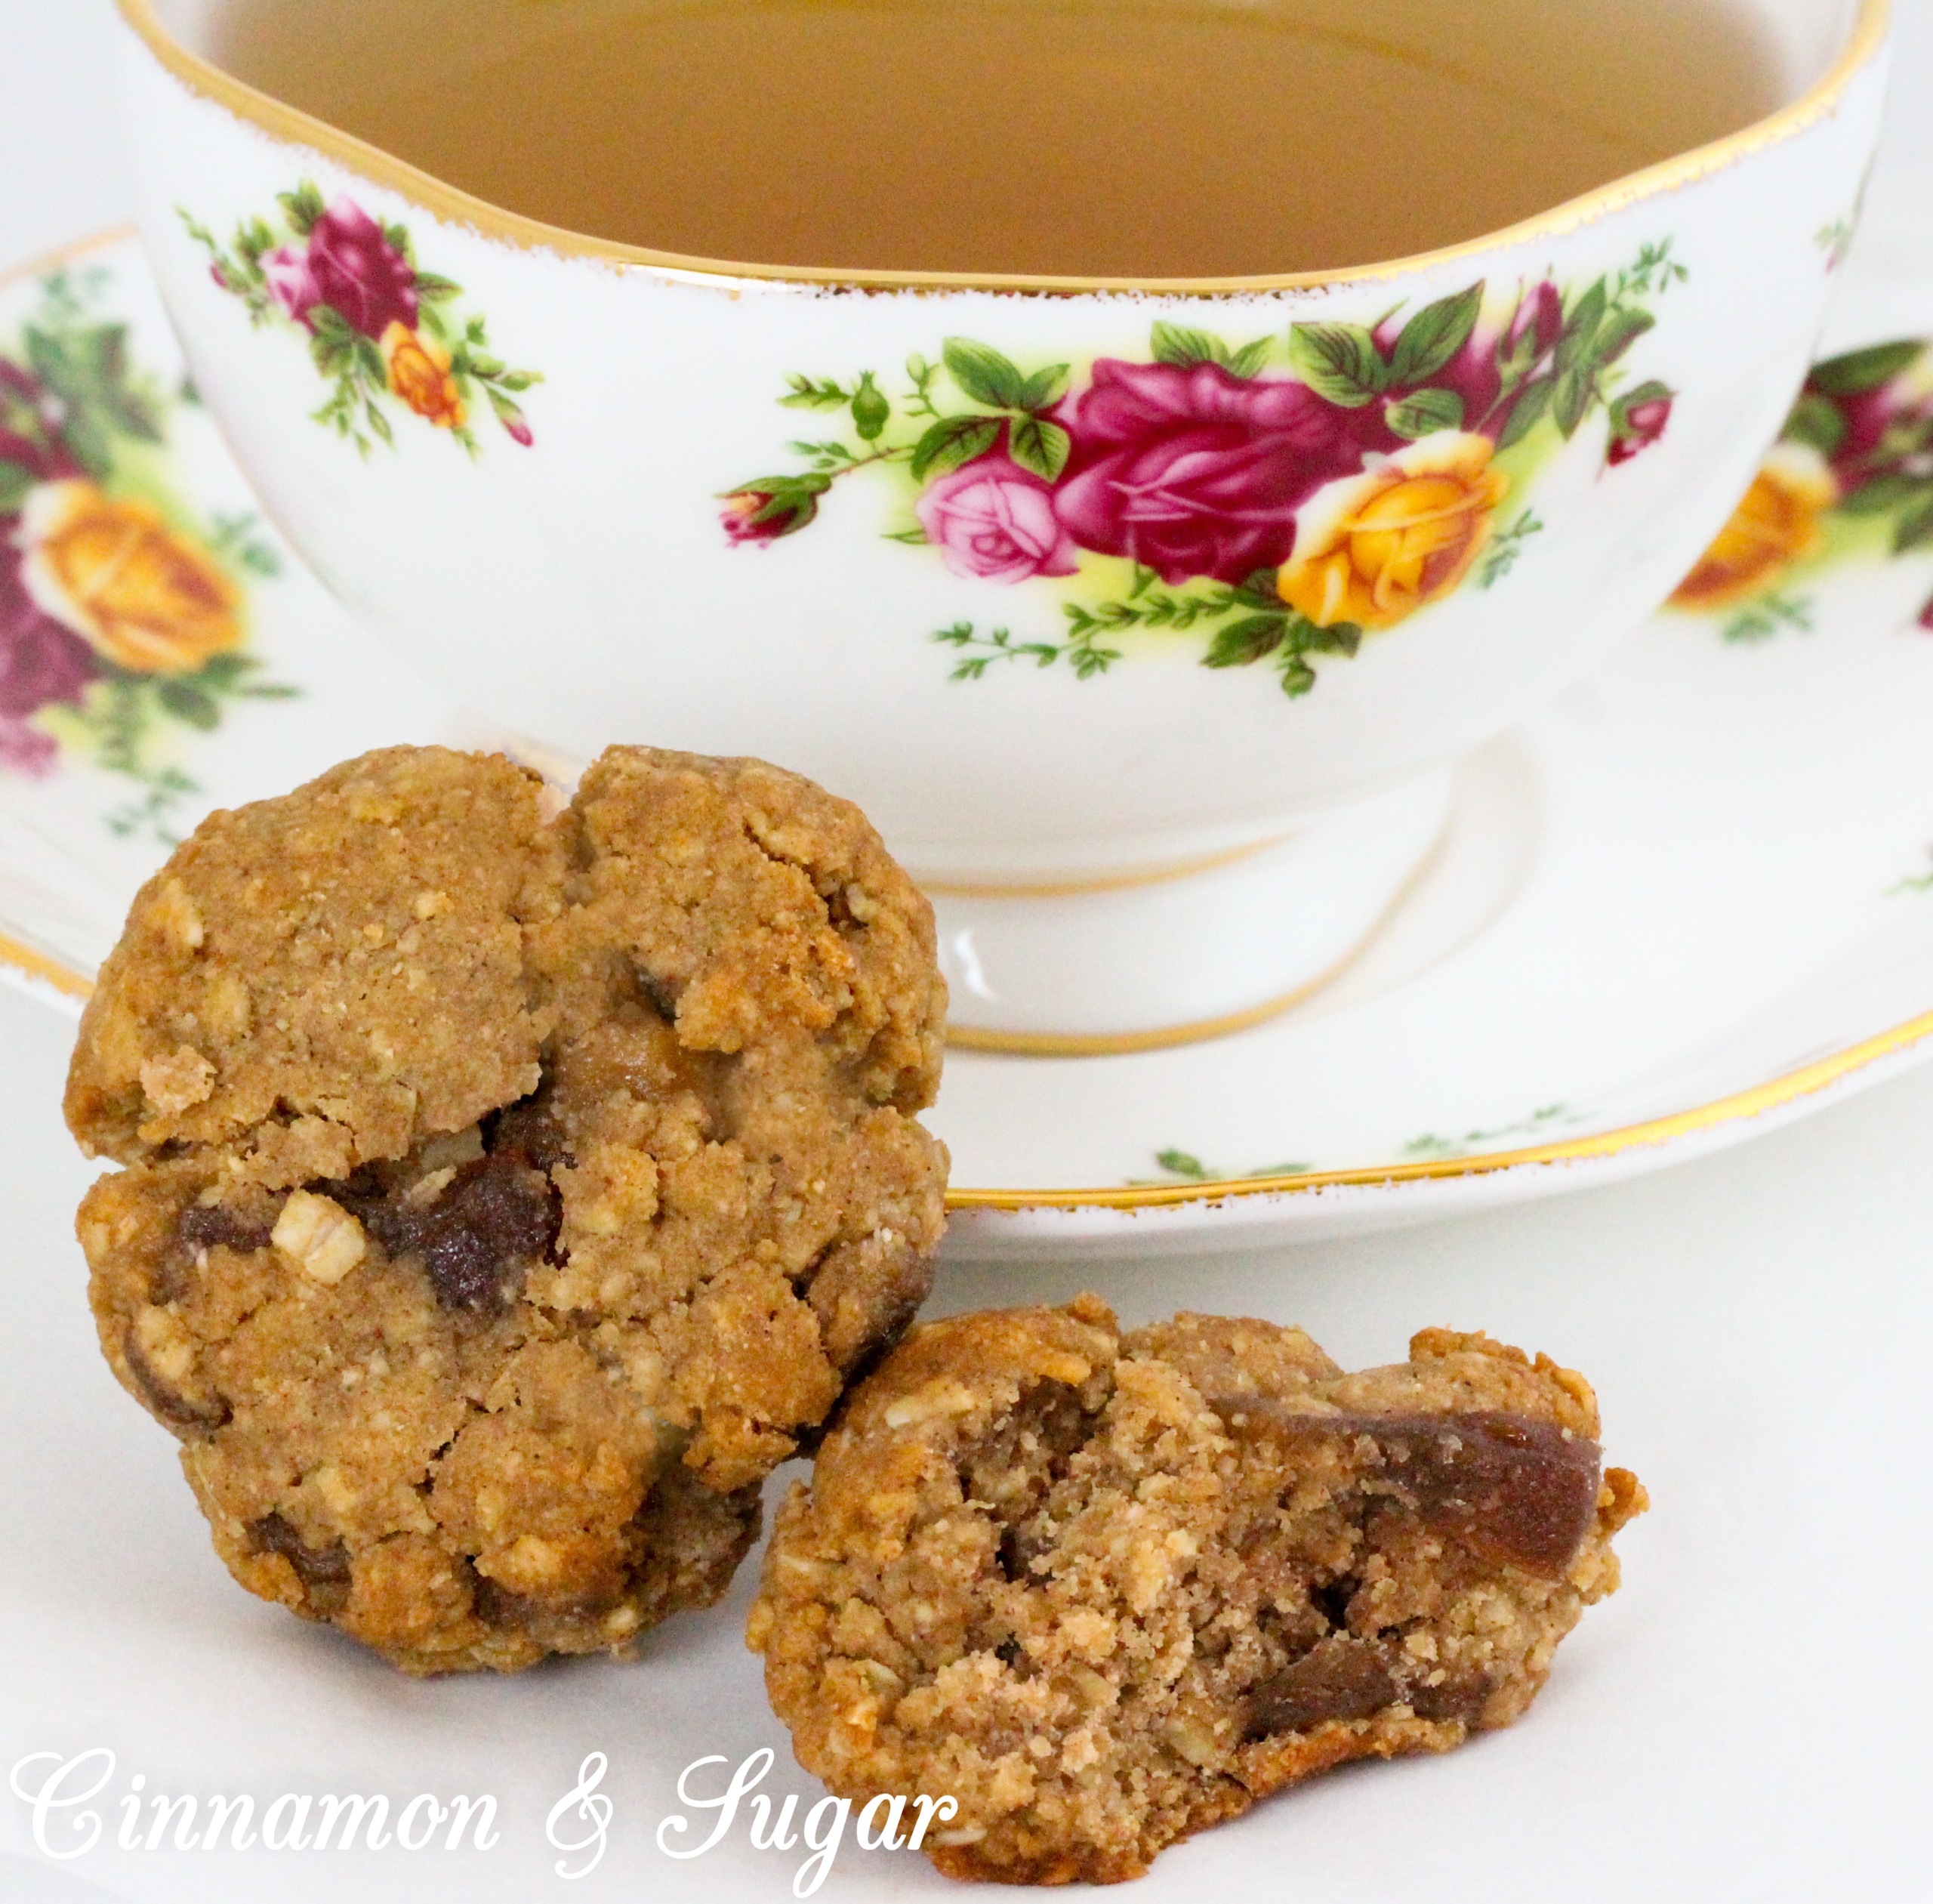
(1694, 899)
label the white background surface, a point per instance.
(1746, 1719)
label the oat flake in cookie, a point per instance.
(505, 1198)
(1106, 1590)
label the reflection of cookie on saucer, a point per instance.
(1104, 1590)
(505, 1200)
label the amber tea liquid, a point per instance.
(1111, 138)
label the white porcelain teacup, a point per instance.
(1143, 619)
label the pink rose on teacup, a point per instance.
(991, 519)
(347, 262)
(1190, 471)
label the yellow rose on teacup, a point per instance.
(419, 373)
(1776, 523)
(144, 596)
(1373, 548)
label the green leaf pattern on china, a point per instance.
(1162, 494)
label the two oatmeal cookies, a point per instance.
(504, 1196)
(506, 1193)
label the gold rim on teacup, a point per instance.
(287, 122)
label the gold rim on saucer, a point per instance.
(50, 971)
(1750, 1102)
(460, 208)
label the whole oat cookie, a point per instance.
(1104, 1590)
(504, 1197)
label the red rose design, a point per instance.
(1190, 471)
(759, 516)
(1878, 425)
(1536, 325)
(992, 520)
(30, 427)
(1637, 424)
(1865, 414)
(26, 750)
(348, 264)
(289, 278)
(1475, 373)
(40, 661)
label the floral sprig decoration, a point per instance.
(1856, 453)
(1287, 496)
(116, 620)
(379, 328)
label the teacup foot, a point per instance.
(1133, 965)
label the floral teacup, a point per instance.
(1144, 619)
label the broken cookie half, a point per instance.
(1103, 1590)
(505, 1196)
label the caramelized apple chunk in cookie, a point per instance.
(504, 1197)
(1105, 1589)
